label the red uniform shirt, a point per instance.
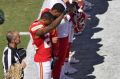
(43, 43)
(78, 19)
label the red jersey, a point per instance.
(78, 19)
(43, 43)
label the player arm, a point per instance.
(53, 25)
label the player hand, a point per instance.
(54, 39)
(66, 1)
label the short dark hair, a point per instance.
(47, 16)
(59, 7)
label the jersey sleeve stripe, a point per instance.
(36, 27)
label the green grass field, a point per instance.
(18, 16)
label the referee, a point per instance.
(10, 56)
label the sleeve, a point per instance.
(37, 27)
(7, 59)
(53, 33)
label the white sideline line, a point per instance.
(24, 33)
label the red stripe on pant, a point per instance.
(63, 46)
(41, 70)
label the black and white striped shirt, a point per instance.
(9, 58)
